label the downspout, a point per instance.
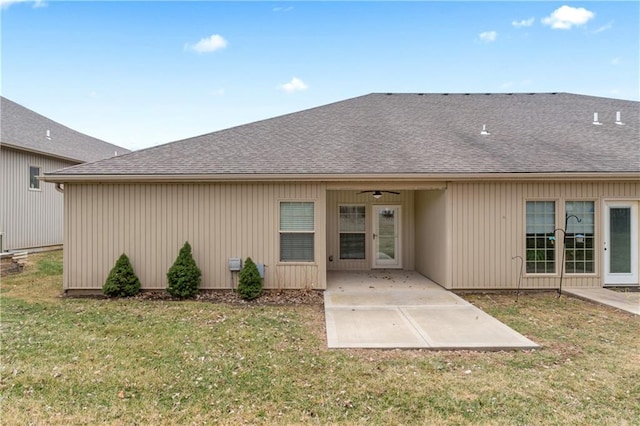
(60, 188)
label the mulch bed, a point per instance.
(268, 298)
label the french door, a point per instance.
(621, 242)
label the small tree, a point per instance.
(122, 281)
(249, 283)
(184, 275)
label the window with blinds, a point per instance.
(352, 232)
(297, 229)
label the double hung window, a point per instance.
(352, 232)
(297, 231)
(34, 172)
(575, 235)
(540, 238)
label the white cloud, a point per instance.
(488, 36)
(219, 92)
(523, 23)
(283, 9)
(36, 3)
(295, 85)
(565, 17)
(208, 44)
(615, 61)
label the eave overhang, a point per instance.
(341, 178)
(38, 152)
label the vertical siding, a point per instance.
(432, 236)
(488, 229)
(29, 218)
(150, 222)
(336, 198)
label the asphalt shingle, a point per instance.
(22, 128)
(408, 133)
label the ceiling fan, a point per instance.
(377, 194)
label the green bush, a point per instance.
(122, 281)
(249, 283)
(183, 278)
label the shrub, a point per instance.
(249, 283)
(183, 278)
(122, 281)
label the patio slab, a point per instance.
(402, 309)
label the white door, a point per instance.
(386, 237)
(621, 242)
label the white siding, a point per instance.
(151, 222)
(29, 218)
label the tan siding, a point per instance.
(336, 198)
(150, 222)
(488, 226)
(29, 218)
(432, 234)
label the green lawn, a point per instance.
(87, 361)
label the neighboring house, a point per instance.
(476, 180)
(31, 212)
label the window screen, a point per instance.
(297, 227)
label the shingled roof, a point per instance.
(423, 134)
(21, 128)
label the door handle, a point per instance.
(374, 235)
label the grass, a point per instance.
(87, 361)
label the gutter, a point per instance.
(329, 178)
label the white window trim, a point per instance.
(280, 232)
(39, 188)
(596, 236)
(524, 242)
(365, 232)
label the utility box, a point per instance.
(235, 264)
(260, 267)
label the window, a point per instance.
(297, 226)
(579, 240)
(352, 232)
(540, 238)
(34, 172)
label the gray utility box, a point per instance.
(235, 264)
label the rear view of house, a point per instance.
(31, 212)
(467, 189)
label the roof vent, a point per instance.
(595, 119)
(484, 131)
(48, 134)
(618, 120)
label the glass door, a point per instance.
(621, 243)
(386, 237)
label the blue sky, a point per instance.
(143, 73)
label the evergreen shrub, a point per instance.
(122, 281)
(184, 276)
(249, 282)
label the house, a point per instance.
(31, 212)
(466, 189)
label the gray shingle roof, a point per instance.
(409, 133)
(22, 128)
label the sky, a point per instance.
(139, 74)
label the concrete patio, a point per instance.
(403, 309)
